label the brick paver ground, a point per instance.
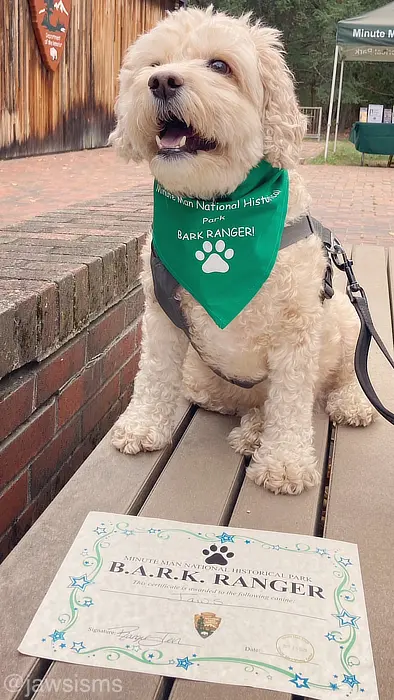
(311, 148)
(358, 203)
(31, 186)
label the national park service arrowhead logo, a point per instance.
(51, 19)
(206, 623)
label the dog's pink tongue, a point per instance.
(173, 137)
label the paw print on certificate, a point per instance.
(217, 556)
(217, 259)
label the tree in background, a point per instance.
(309, 29)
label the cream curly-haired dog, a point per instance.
(227, 83)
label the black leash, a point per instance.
(368, 331)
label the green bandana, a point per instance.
(222, 251)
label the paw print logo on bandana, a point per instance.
(216, 260)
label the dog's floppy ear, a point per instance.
(284, 126)
(120, 140)
(122, 136)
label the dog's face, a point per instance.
(203, 98)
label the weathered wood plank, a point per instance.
(73, 107)
(261, 510)
(362, 485)
(202, 479)
(189, 690)
(199, 484)
(107, 481)
(391, 282)
(298, 514)
(66, 681)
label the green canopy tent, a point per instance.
(369, 37)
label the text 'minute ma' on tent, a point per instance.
(369, 37)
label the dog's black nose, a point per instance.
(165, 85)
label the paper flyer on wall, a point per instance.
(245, 607)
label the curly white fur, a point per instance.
(304, 349)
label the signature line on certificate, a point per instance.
(224, 605)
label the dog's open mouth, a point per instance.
(176, 138)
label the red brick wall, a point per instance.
(53, 413)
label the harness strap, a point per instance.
(327, 239)
(166, 287)
(170, 303)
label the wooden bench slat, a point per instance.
(199, 484)
(361, 494)
(94, 686)
(202, 479)
(296, 514)
(391, 280)
(261, 510)
(107, 481)
(190, 690)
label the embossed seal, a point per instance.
(295, 648)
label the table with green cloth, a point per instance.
(373, 138)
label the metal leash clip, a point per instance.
(353, 289)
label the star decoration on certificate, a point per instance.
(347, 620)
(56, 636)
(344, 561)
(79, 582)
(184, 663)
(299, 681)
(225, 537)
(350, 680)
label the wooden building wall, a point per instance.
(71, 109)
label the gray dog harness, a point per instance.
(167, 288)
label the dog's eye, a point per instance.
(220, 67)
(155, 64)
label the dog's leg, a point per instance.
(346, 402)
(246, 439)
(286, 462)
(147, 423)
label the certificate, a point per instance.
(227, 605)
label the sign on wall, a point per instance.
(375, 114)
(51, 19)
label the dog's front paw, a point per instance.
(130, 436)
(246, 439)
(284, 470)
(349, 405)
